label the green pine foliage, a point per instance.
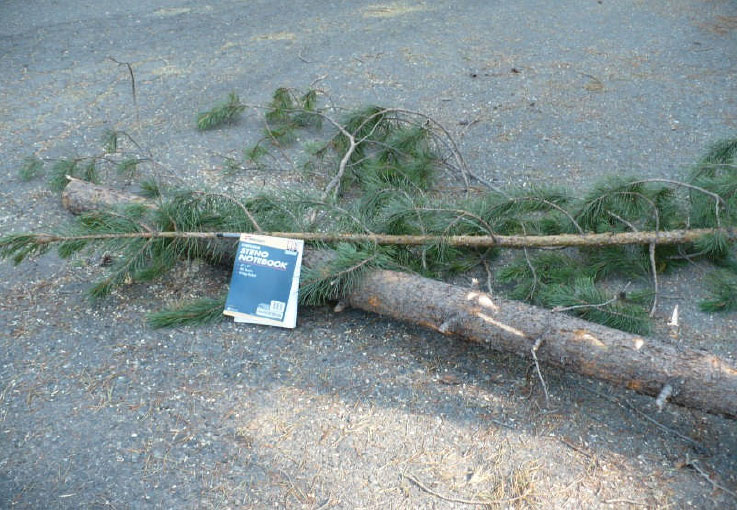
(344, 268)
(19, 247)
(32, 167)
(80, 168)
(88, 168)
(583, 298)
(557, 280)
(530, 275)
(389, 187)
(150, 188)
(629, 262)
(255, 153)
(716, 173)
(127, 167)
(199, 311)
(626, 204)
(60, 170)
(110, 141)
(221, 114)
(289, 111)
(716, 247)
(721, 285)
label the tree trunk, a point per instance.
(695, 379)
(646, 365)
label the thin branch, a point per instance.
(652, 257)
(278, 145)
(336, 276)
(485, 502)
(424, 251)
(335, 182)
(352, 268)
(133, 87)
(134, 142)
(454, 148)
(628, 501)
(630, 407)
(555, 206)
(577, 307)
(620, 238)
(687, 256)
(533, 350)
(449, 142)
(619, 218)
(651, 245)
(239, 204)
(715, 485)
(347, 213)
(530, 266)
(490, 277)
(461, 213)
(303, 59)
(718, 199)
(488, 184)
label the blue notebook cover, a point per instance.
(264, 281)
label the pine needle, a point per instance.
(150, 188)
(221, 114)
(127, 167)
(110, 141)
(58, 177)
(195, 313)
(31, 168)
(585, 300)
(721, 285)
(18, 247)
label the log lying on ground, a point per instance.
(694, 379)
(646, 365)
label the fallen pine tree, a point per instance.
(380, 227)
(683, 376)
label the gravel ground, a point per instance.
(348, 410)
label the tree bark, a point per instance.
(81, 196)
(698, 379)
(646, 365)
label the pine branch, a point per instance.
(379, 192)
(561, 240)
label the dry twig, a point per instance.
(693, 464)
(533, 350)
(450, 499)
